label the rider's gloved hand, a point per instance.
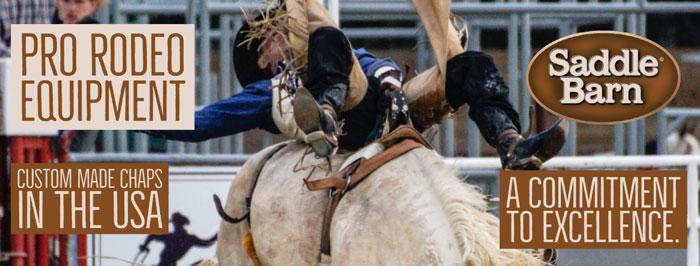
(398, 114)
(394, 99)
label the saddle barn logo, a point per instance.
(603, 77)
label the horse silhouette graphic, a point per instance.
(176, 243)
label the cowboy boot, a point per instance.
(523, 153)
(472, 78)
(320, 121)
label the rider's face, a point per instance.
(271, 51)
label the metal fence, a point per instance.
(517, 18)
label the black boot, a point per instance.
(319, 120)
(472, 78)
(522, 153)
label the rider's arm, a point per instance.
(249, 109)
(390, 82)
(373, 66)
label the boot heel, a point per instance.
(531, 163)
(319, 144)
(531, 153)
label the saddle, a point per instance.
(398, 142)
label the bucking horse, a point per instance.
(412, 209)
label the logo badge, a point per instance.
(603, 77)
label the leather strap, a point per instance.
(326, 227)
(401, 133)
(336, 181)
(358, 170)
(351, 176)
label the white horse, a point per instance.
(411, 211)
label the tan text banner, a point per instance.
(101, 77)
(89, 198)
(593, 209)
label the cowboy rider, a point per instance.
(251, 108)
(471, 77)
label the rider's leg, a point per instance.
(329, 66)
(363, 122)
(328, 70)
(472, 78)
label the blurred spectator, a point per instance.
(22, 12)
(76, 11)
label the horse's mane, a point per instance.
(476, 230)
